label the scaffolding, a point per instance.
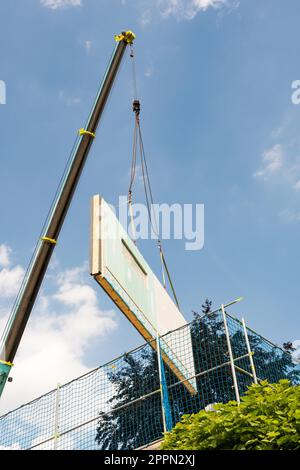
(129, 402)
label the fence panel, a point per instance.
(119, 405)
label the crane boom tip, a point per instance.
(127, 36)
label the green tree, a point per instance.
(128, 426)
(268, 418)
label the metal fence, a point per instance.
(130, 401)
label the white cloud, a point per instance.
(149, 71)
(296, 354)
(13, 447)
(282, 171)
(188, 9)
(281, 166)
(55, 4)
(10, 281)
(65, 442)
(290, 215)
(178, 9)
(67, 99)
(88, 46)
(146, 17)
(57, 338)
(272, 162)
(5, 252)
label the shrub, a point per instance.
(268, 418)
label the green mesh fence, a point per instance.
(119, 405)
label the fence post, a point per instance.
(249, 352)
(161, 383)
(235, 383)
(57, 416)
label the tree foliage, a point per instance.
(268, 418)
(124, 427)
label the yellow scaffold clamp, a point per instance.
(49, 240)
(85, 132)
(127, 36)
(9, 364)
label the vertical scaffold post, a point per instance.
(57, 418)
(233, 371)
(161, 383)
(249, 352)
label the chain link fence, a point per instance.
(129, 402)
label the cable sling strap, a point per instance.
(138, 147)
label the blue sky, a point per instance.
(219, 126)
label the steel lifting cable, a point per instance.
(138, 145)
(136, 109)
(134, 80)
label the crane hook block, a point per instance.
(136, 106)
(127, 36)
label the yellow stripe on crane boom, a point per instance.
(85, 132)
(9, 364)
(49, 240)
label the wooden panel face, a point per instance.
(120, 269)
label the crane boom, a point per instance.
(35, 274)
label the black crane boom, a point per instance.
(35, 274)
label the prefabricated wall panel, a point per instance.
(120, 269)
